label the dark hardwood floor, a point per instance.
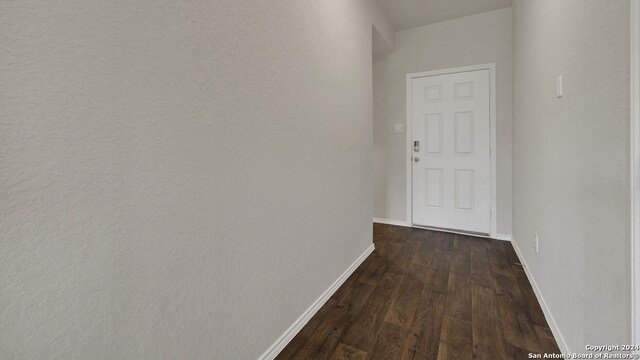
(429, 295)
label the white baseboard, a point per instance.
(293, 330)
(543, 304)
(406, 224)
(501, 237)
(391, 222)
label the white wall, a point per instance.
(571, 162)
(477, 39)
(179, 180)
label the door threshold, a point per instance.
(453, 231)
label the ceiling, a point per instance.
(405, 14)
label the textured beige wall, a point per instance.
(477, 39)
(178, 180)
(571, 162)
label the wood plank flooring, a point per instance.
(429, 295)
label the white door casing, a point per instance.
(449, 115)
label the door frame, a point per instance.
(492, 124)
(635, 171)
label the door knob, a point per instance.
(416, 159)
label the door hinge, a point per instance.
(490, 214)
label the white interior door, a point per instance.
(450, 122)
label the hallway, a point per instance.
(429, 295)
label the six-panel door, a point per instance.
(451, 168)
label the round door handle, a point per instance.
(416, 159)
